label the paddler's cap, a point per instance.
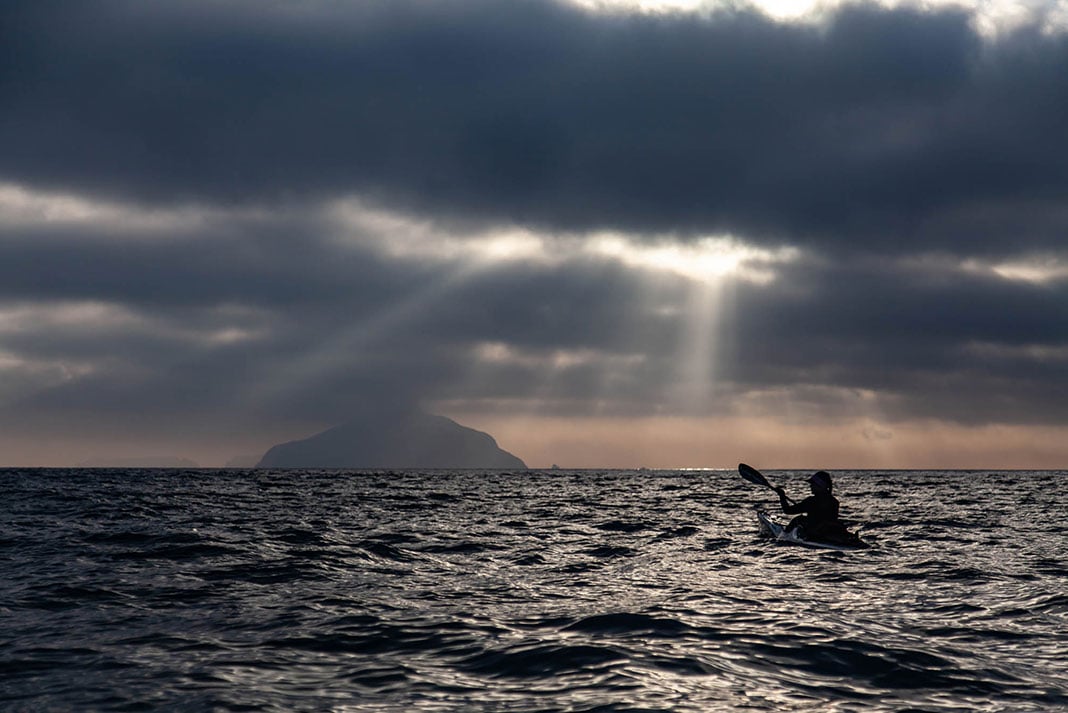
(822, 479)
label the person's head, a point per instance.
(820, 482)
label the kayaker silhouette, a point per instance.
(817, 524)
(817, 515)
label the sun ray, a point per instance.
(347, 346)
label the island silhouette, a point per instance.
(392, 438)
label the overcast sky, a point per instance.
(609, 236)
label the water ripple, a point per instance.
(539, 591)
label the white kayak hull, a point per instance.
(779, 532)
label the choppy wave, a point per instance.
(568, 591)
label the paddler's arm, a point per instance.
(788, 507)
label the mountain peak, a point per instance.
(393, 439)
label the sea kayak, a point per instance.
(779, 532)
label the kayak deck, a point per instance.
(779, 532)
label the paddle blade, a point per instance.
(753, 475)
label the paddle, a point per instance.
(754, 476)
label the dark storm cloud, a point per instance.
(935, 342)
(264, 263)
(310, 305)
(877, 130)
(868, 140)
(287, 319)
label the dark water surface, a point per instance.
(608, 591)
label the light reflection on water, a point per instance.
(532, 591)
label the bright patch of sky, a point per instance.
(21, 206)
(1038, 270)
(992, 16)
(704, 259)
(506, 354)
(94, 318)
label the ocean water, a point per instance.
(529, 591)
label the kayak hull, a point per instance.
(777, 531)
